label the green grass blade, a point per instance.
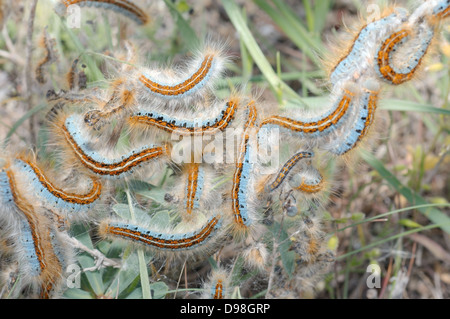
(367, 220)
(186, 32)
(409, 106)
(293, 30)
(146, 293)
(386, 240)
(236, 17)
(433, 214)
(309, 38)
(25, 117)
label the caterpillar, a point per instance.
(363, 122)
(124, 7)
(54, 196)
(48, 44)
(384, 59)
(194, 187)
(103, 166)
(241, 178)
(187, 127)
(287, 167)
(162, 241)
(38, 265)
(442, 10)
(352, 64)
(177, 88)
(318, 126)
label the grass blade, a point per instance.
(19, 122)
(367, 220)
(386, 240)
(433, 214)
(293, 29)
(236, 17)
(409, 106)
(186, 32)
(146, 294)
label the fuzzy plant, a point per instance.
(146, 169)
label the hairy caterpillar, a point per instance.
(54, 196)
(162, 241)
(242, 174)
(48, 44)
(309, 181)
(364, 119)
(124, 7)
(384, 59)
(182, 88)
(350, 66)
(103, 166)
(318, 126)
(182, 126)
(287, 167)
(38, 265)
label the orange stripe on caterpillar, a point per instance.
(54, 195)
(186, 127)
(287, 167)
(384, 59)
(217, 284)
(192, 187)
(363, 121)
(30, 216)
(197, 79)
(308, 181)
(162, 241)
(319, 125)
(93, 117)
(239, 193)
(104, 166)
(218, 290)
(35, 238)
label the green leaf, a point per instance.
(86, 261)
(75, 293)
(159, 290)
(126, 276)
(409, 223)
(161, 219)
